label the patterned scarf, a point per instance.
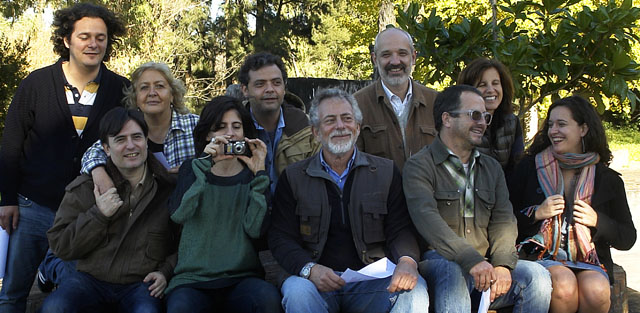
(579, 246)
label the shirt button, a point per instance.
(468, 231)
(448, 202)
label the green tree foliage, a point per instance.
(552, 48)
(13, 65)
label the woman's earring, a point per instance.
(583, 149)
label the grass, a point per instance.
(624, 138)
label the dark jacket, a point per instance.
(615, 226)
(127, 246)
(41, 150)
(376, 208)
(380, 131)
(433, 198)
(509, 143)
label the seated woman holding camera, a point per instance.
(220, 203)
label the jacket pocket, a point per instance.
(373, 214)
(449, 206)
(157, 242)
(375, 139)
(309, 223)
(484, 207)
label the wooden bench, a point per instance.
(619, 297)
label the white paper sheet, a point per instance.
(382, 268)
(160, 156)
(485, 301)
(4, 247)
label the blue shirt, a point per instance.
(272, 146)
(339, 179)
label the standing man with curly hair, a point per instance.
(52, 120)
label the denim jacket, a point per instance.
(433, 199)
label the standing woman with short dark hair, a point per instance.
(571, 207)
(503, 139)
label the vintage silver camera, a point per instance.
(236, 148)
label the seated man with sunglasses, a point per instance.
(459, 202)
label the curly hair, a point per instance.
(583, 113)
(65, 19)
(257, 61)
(178, 89)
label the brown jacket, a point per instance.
(380, 132)
(123, 248)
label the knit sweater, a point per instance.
(41, 149)
(220, 218)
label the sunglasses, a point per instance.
(476, 115)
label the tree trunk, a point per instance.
(387, 15)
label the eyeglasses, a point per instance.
(476, 115)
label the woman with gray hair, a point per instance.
(160, 96)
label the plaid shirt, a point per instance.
(178, 145)
(464, 179)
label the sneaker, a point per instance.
(43, 284)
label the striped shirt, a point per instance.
(80, 105)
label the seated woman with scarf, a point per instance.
(571, 207)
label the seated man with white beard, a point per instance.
(343, 208)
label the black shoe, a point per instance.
(43, 284)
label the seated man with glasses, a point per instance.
(459, 202)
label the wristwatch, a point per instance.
(306, 270)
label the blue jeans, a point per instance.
(27, 246)
(451, 288)
(301, 295)
(80, 292)
(251, 295)
(55, 269)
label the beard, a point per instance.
(394, 80)
(341, 147)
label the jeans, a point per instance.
(251, 295)
(301, 295)
(55, 269)
(80, 292)
(27, 246)
(451, 288)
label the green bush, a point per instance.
(624, 137)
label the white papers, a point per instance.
(4, 247)
(382, 268)
(485, 301)
(160, 157)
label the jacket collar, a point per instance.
(315, 169)
(440, 152)
(417, 98)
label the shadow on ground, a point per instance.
(634, 300)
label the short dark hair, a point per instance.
(113, 121)
(257, 61)
(212, 115)
(65, 19)
(449, 100)
(583, 113)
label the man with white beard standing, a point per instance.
(343, 208)
(397, 110)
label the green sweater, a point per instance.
(219, 218)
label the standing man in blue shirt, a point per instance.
(281, 126)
